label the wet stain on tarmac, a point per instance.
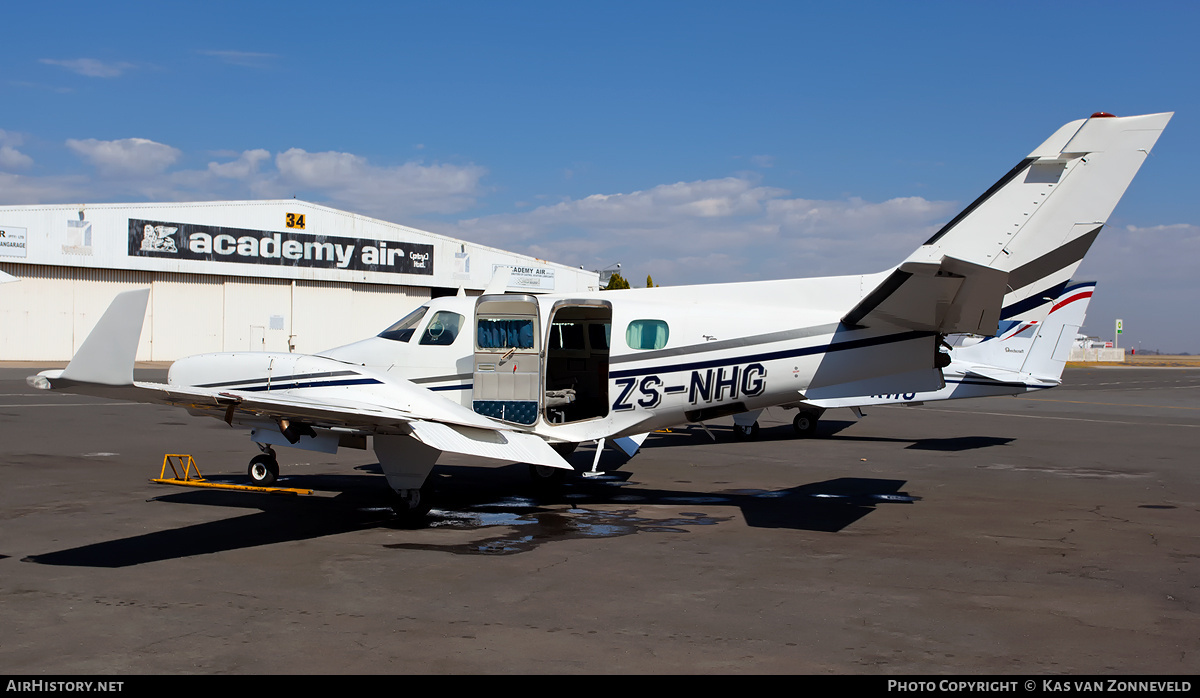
(535, 526)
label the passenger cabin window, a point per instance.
(403, 331)
(567, 336)
(647, 334)
(505, 334)
(442, 329)
(598, 336)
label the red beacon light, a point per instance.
(1103, 115)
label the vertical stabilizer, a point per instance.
(1039, 220)
(107, 354)
(1036, 347)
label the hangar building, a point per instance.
(233, 275)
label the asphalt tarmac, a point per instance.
(1051, 534)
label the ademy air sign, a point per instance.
(291, 249)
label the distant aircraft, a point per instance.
(525, 378)
(1024, 357)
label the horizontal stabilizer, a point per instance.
(850, 394)
(946, 296)
(999, 375)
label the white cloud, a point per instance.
(245, 167)
(19, 189)
(403, 190)
(725, 229)
(1146, 276)
(13, 159)
(10, 157)
(143, 168)
(90, 67)
(126, 157)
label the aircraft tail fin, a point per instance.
(1039, 348)
(499, 283)
(107, 354)
(1039, 220)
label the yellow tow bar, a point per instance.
(191, 477)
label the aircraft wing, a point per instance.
(439, 425)
(384, 405)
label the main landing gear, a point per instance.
(743, 432)
(264, 468)
(411, 506)
(805, 422)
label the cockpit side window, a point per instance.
(443, 329)
(403, 330)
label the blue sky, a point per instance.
(693, 141)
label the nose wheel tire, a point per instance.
(263, 470)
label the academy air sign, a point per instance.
(291, 249)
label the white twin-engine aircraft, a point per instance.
(524, 378)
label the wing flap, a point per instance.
(488, 443)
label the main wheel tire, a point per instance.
(742, 432)
(564, 448)
(413, 506)
(263, 470)
(545, 476)
(805, 423)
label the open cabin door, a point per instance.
(576, 365)
(508, 359)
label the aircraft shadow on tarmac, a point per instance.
(500, 502)
(514, 515)
(827, 430)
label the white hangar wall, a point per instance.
(232, 276)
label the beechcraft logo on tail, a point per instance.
(159, 238)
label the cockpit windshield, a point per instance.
(403, 330)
